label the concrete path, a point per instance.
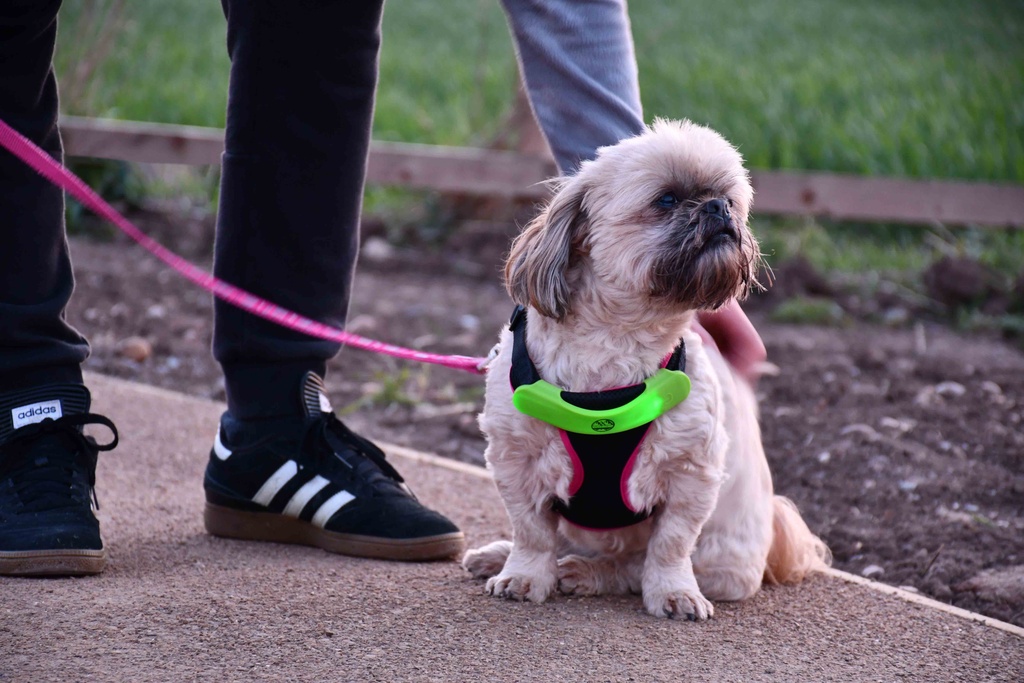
(176, 604)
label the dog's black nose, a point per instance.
(716, 207)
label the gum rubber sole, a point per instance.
(52, 562)
(276, 528)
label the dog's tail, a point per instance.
(795, 551)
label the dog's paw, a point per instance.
(520, 587)
(485, 562)
(679, 604)
(578, 576)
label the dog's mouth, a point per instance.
(706, 267)
(719, 233)
(722, 239)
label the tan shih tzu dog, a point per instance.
(609, 277)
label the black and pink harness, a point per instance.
(602, 463)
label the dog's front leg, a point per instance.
(669, 586)
(531, 571)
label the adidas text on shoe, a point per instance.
(317, 483)
(47, 479)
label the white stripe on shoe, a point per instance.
(304, 495)
(284, 474)
(219, 449)
(276, 482)
(330, 506)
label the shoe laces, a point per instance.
(328, 437)
(44, 461)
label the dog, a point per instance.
(609, 278)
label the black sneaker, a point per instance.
(47, 475)
(315, 482)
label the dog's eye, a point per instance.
(667, 200)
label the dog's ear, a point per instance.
(537, 266)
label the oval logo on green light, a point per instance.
(602, 425)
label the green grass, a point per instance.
(926, 88)
(917, 88)
(168, 62)
(802, 310)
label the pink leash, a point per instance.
(47, 167)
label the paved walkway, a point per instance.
(176, 604)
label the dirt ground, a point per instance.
(903, 446)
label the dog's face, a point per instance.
(659, 220)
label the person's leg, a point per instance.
(580, 72)
(300, 107)
(47, 468)
(37, 346)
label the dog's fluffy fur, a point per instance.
(612, 273)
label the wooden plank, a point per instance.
(444, 169)
(151, 143)
(514, 175)
(849, 197)
(459, 170)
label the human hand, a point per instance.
(731, 331)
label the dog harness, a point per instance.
(602, 431)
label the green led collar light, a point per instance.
(543, 400)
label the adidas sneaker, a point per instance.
(47, 475)
(314, 482)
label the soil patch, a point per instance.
(903, 447)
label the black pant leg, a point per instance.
(300, 108)
(37, 346)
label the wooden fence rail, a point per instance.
(515, 175)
